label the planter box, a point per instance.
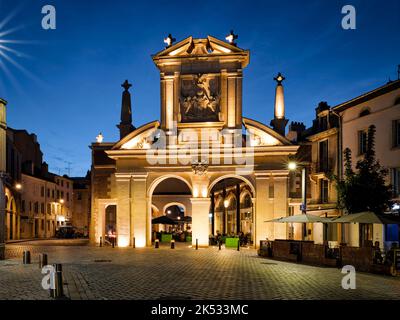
(231, 242)
(166, 237)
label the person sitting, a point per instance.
(377, 259)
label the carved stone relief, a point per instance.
(200, 99)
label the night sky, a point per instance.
(64, 84)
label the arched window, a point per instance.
(365, 112)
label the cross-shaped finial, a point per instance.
(279, 78)
(169, 40)
(231, 38)
(126, 85)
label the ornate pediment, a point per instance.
(202, 47)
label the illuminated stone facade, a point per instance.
(201, 109)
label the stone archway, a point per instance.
(232, 210)
(164, 192)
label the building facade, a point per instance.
(381, 108)
(201, 143)
(81, 204)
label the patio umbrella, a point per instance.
(163, 220)
(367, 217)
(301, 218)
(187, 219)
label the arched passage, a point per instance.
(232, 212)
(172, 195)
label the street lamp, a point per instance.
(292, 166)
(18, 186)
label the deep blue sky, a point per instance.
(71, 90)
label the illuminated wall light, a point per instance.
(140, 241)
(204, 192)
(195, 192)
(18, 186)
(123, 241)
(226, 203)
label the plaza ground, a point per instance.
(183, 273)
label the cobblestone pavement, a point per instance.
(183, 273)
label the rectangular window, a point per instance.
(324, 190)
(362, 142)
(323, 156)
(48, 193)
(67, 196)
(58, 194)
(42, 224)
(42, 192)
(52, 193)
(396, 133)
(23, 206)
(67, 184)
(42, 208)
(49, 208)
(395, 177)
(79, 196)
(62, 183)
(36, 207)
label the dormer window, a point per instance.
(364, 112)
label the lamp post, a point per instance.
(292, 166)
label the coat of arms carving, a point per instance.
(200, 99)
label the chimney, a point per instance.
(279, 122)
(125, 127)
(295, 131)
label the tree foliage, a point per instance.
(365, 188)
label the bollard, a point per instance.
(133, 243)
(219, 244)
(58, 291)
(101, 242)
(197, 244)
(238, 247)
(26, 257)
(172, 244)
(156, 244)
(42, 260)
(59, 280)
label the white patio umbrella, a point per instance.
(367, 217)
(301, 218)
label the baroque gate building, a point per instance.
(227, 172)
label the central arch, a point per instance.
(169, 192)
(227, 176)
